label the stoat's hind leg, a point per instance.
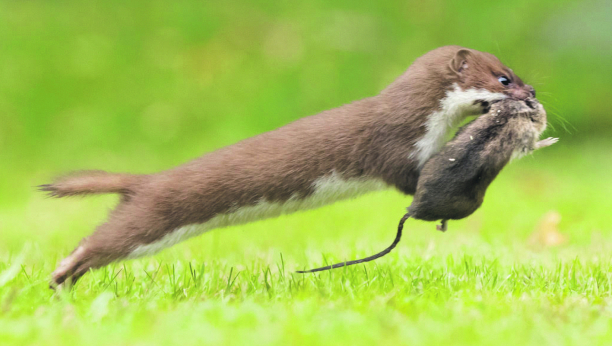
(126, 229)
(66, 269)
(90, 254)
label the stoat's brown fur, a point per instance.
(369, 144)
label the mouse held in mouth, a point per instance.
(453, 183)
(375, 143)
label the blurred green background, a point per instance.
(142, 86)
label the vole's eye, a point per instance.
(504, 80)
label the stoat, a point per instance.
(371, 144)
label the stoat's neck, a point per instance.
(455, 106)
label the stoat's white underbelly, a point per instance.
(327, 190)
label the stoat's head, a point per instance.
(447, 84)
(469, 80)
(472, 69)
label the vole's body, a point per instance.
(370, 144)
(452, 184)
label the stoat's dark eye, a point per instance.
(504, 80)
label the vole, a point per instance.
(371, 144)
(452, 183)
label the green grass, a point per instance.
(142, 86)
(482, 282)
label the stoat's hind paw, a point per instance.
(69, 270)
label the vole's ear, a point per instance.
(459, 62)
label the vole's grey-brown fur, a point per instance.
(452, 184)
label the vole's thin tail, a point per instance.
(398, 236)
(91, 182)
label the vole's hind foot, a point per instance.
(442, 226)
(546, 142)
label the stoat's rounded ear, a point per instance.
(459, 62)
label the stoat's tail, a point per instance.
(91, 182)
(398, 236)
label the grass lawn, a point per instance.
(498, 277)
(141, 86)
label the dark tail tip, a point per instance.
(49, 189)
